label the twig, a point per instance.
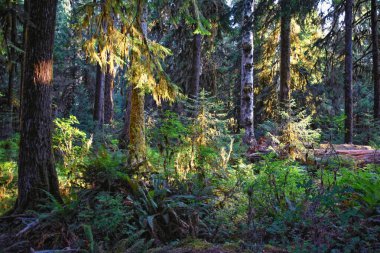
(13, 216)
(27, 228)
(58, 251)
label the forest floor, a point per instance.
(275, 205)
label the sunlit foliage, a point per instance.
(122, 43)
(305, 57)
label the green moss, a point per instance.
(231, 247)
(196, 244)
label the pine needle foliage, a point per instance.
(294, 135)
(115, 38)
(304, 58)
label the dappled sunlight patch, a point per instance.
(43, 72)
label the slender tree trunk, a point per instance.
(67, 98)
(36, 172)
(237, 105)
(24, 36)
(196, 67)
(99, 97)
(68, 94)
(348, 105)
(375, 56)
(12, 58)
(108, 95)
(99, 87)
(88, 80)
(247, 95)
(285, 54)
(125, 133)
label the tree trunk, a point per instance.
(125, 133)
(285, 54)
(247, 95)
(36, 172)
(12, 57)
(196, 67)
(68, 94)
(376, 64)
(108, 95)
(137, 146)
(348, 106)
(99, 97)
(88, 80)
(24, 36)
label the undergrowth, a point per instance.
(198, 187)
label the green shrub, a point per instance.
(109, 216)
(365, 184)
(168, 136)
(8, 185)
(103, 168)
(278, 186)
(293, 136)
(9, 148)
(8, 172)
(72, 146)
(196, 143)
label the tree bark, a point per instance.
(348, 105)
(24, 36)
(285, 54)
(375, 57)
(125, 133)
(36, 172)
(137, 146)
(247, 95)
(68, 94)
(196, 67)
(12, 57)
(108, 95)
(99, 97)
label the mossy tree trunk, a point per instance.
(137, 145)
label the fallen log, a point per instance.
(361, 154)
